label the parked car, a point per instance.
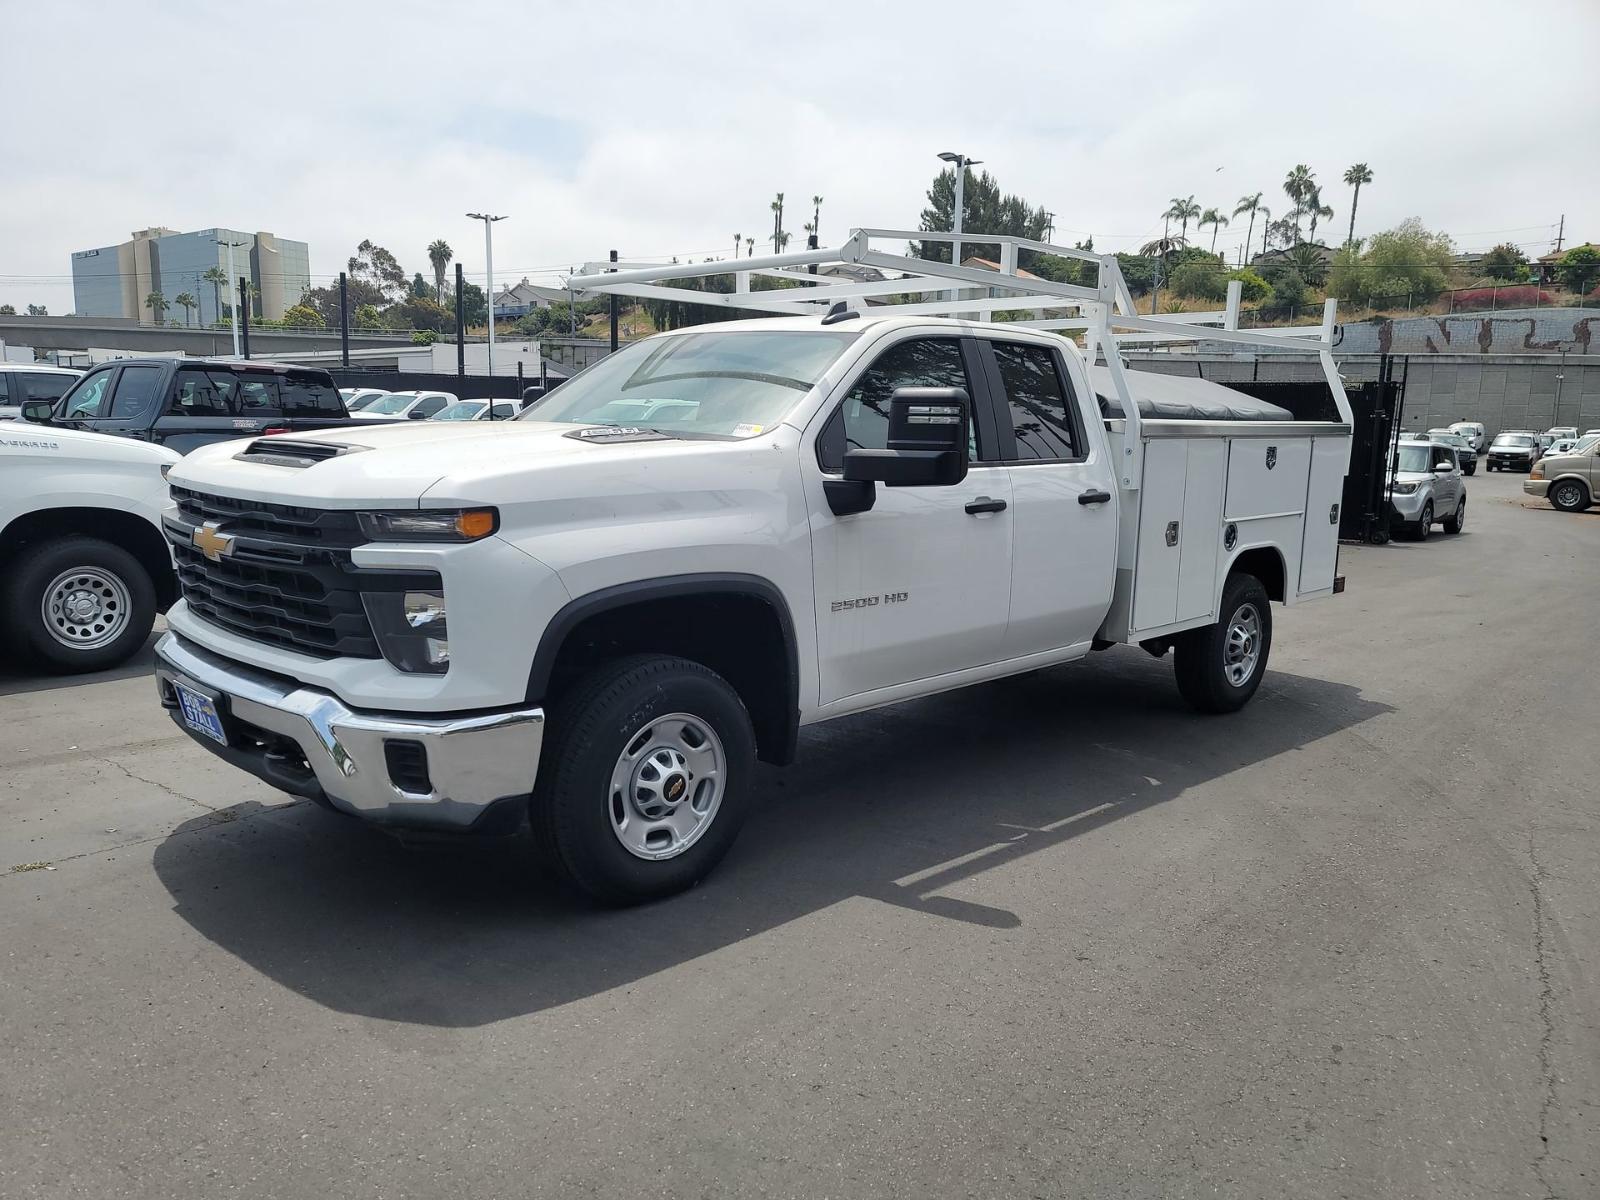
(32, 381)
(188, 402)
(477, 410)
(413, 405)
(1463, 444)
(1474, 432)
(1561, 446)
(1425, 487)
(1514, 450)
(1588, 433)
(355, 399)
(84, 565)
(1569, 481)
(1554, 434)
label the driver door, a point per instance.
(918, 586)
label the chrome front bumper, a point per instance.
(477, 769)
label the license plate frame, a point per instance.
(199, 713)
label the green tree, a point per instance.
(1196, 280)
(1288, 289)
(1308, 259)
(1183, 210)
(420, 289)
(1249, 204)
(1506, 262)
(302, 316)
(473, 305)
(1579, 268)
(985, 209)
(157, 304)
(1357, 175)
(38, 310)
(218, 279)
(419, 312)
(816, 218)
(424, 337)
(1316, 209)
(187, 302)
(1253, 289)
(374, 265)
(367, 316)
(1408, 264)
(1297, 184)
(439, 256)
(8, 310)
(1214, 219)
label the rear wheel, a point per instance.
(1220, 666)
(1454, 522)
(77, 604)
(645, 778)
(1569, 495)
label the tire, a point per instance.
(1203, 659)
(1569, 495)
(1489, 467)
(1472, 470)
(1457, 519)
(77, 604)
(1424, 524)
(626, 712)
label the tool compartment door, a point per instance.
(1155, 587)
(1267, 477)
(1319, 553)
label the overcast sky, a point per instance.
(664, 128)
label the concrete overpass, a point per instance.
(119, 333)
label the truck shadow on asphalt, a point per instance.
(18, 679)
(896, 805)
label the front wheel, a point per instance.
(1220, 666)
(1424, 523)
(1569, 495)
(77, 604)
(1472, 470)
(645, 778)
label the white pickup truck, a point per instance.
(598, 615)
(84, 567)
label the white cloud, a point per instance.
(658, 129)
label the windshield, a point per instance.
(1412, 458)
(723, 384)
(1441, 435)
(1512, 439)
(461, 410)
(393, 403)
(1585, 442)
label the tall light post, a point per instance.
(488, 257)
(960, 162)
(233, 282)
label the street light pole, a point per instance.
(960, 162)
(488, 256)
(232, 279)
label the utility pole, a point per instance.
(488, 255)
(1561, 232)
(461, 324)
(241, 327)
(613, 311)
(344, 321)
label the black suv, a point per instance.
(188, 402)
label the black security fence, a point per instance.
(463, 387)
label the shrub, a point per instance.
(1508, 296)
(1198, 280)
(1288, 289)
(1579, 267)
(1252, 288)
(424, 337)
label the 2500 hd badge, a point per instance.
(869, 601)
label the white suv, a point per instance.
(32, 381)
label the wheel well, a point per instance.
(1266, 564)
(133, 533)
(744, 636)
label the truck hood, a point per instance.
(23, 439)
(444, 462)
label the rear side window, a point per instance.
(44, 385)
(199, 393)
(5, 389)
(1038, 402)
(135, 396)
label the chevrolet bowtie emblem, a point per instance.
(212, 544)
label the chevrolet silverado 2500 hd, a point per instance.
(598, 615)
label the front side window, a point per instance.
(1038, 402)
(861, 422)
(87, 399)
(135, 396)
(430, 405)
(1443, 456)
(727, 384)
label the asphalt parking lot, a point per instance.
(1055, 936)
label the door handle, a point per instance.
(983, 504)
(1093, 497)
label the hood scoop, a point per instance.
(610, 435)
(280, 451)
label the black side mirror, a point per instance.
(927, 442)
(38, 411)
(416, 414)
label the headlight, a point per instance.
(451, 525)
(1404, 489)
(411, 629)
(1537, 472)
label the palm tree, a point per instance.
(749, 247)
(157, 304)
(816, 217)
(439, 254)
(1182, 211)
(777, 222)
(1214, 219)
(1266, 224)
(187, 302)
(1355, 177)
(218, 279)
(1315, 208)
(1295, 185)
(1251, 205)
(737, 240)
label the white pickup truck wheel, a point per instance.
(644, 778)
(1220, 666)
(78, 603)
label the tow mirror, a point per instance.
(926, 445)
(38, 411)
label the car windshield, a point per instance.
(461, 410)
(393, 403)
(1512, 439)
(724, 384)
(1586, 442)
(1444, 435)
(1412, 458)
